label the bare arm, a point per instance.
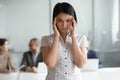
(50, 53)
(79, 53)
(11, 62)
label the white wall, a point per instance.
(26, 19)
(3, 11)
(103, 24)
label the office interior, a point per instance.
(98, 20)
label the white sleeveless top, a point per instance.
(3, 61)
(64, 68)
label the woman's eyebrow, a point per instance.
(69, 19)
(59, 18)
(66, 19)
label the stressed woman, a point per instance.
(64, 52)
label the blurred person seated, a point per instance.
(5, 57)
(117, 43)
(93, 55)
(32, 57)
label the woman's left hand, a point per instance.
(72, 27)
(14, 70)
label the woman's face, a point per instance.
(5, 46)
(63, 22)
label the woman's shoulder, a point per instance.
(47, 40)
(80, 37)
(82, 40)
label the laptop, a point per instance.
(42, 68)
(91, 65)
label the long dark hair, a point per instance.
(65, 8)
(2, 41)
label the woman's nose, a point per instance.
(64, 24)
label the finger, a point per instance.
(54, 22)
(73, 22)
(55, 26)
(70, 28)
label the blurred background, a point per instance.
(21, 20)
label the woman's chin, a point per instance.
(64, 31)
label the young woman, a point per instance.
(5, 57)
(64, 52)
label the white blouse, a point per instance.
(64, 68)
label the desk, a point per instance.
(32, 76)
(10, 76)
(101, 74)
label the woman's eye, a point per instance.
(68, 20)
(59, 20)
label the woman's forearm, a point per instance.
(79, 56)
(52, 55)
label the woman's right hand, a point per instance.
(5, 70)
(56, 32)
